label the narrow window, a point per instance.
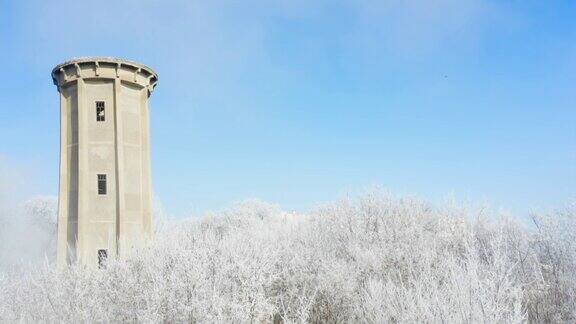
(102, 256)
(101, 184)
(100, 116)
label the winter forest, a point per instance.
(375, 258)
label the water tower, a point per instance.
(105, 195)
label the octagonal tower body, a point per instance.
(105, 195)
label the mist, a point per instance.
(28, 233)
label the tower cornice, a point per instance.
(104, 68)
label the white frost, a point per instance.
(375, 259)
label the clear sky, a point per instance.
(299, 102)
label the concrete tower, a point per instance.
(105, 198)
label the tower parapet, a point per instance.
(104, 68)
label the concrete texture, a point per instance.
(119, 221)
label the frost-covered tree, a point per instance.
(374, 259)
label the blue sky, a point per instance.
(302, 102)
